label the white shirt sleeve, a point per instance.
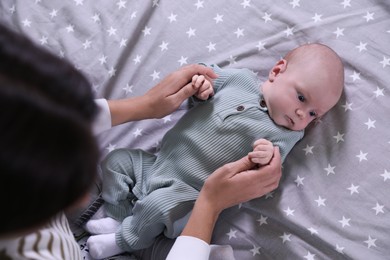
(199, 249)
(103, 119)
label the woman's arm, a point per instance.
(162, 99)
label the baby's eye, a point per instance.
(301, 98)
(312, 113)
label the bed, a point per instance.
(333, 200)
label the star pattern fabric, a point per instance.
(332, 202)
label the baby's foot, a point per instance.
(102, 226)
(103, 246)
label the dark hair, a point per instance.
(48, 155)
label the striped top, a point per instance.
(54, 241)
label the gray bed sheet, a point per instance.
(333, 201)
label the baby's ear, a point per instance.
(279, 67)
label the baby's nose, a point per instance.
(300, 113)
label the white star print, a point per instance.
(385, 62)
(317, 17)
(199, 4)
(347, 106)
(87, 44)
(339, 249)
(260, 46)
(289, 31)
(370, 242)
(370, 123)
(346, 3)
(362, 156)
(155, 75)
(320, 201)
(138, 132)
(12, 9)
(313, 230)
(111, 72)
(133, 15)
(299, 180)
(239, 32)
(339, 137)
(369, 16)
(267, 17)
(123, 43)
(232, 234)
(95, 87)
(339, 32)
(308, 149)
(353, 189)
(246, 3)
(378, 208)
(255, 250)
(289, 212)
(355, 76)
(128, 89)
(103, 59)
(167, 119)
(362, 46)
(62, 54)
(53, 13)
(232, 60)
(164, 46)
(43, 40)
(79, 2)
(211, 46)
(183, 60)
(269, 195)
(137, 59)
(191, 32)
(262, 220)
(309, 256)
(111, 147)
(295, 3)
(172, 18)
(70, 28)
(218, 18)
(26, 23)
(285, 237)
(155, 3)
(111, 31)
(121, 4)
(96, 18)
(386, 175)
(379, 92)
(329, 169)
(345, 221)
(147, 30)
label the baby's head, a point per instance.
(303, 86)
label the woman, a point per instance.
(49, 153)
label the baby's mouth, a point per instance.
(289, 120)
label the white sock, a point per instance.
(102, 226)
(103, 246)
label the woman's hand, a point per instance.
(167, 96)
(240, 181)
(162, 99)
(230, 185)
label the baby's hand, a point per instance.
(263, 151)
(205, 88)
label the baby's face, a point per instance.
(295, 98)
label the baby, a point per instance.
(148, 194)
